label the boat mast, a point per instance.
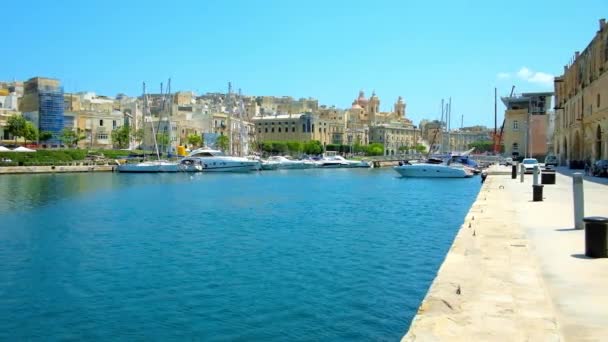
(242, 126)
(449, 115)
(146, 109)
(441, 124)
(229, 104)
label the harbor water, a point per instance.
(333, 255)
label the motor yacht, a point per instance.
(337, 161)
(431, 169)
(282, 162)
(209, 160)
(148, 167)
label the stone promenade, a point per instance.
(517, 270)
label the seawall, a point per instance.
(55, 169)
(488, 287)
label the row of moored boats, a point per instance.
(209, 160)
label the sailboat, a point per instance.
(151, 166)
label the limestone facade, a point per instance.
(581, 105)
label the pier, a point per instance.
(517, 270)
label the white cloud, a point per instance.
(503, 75)
(537, 77)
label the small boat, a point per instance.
(432, 170)
(149, 166)
(208, 160)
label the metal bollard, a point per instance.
(522, 171)
(514, 171)
(579, 200)
(596, 237)
(535, 174)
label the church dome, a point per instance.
(361, 100)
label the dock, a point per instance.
(517, 270)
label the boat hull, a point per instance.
(431, 171)
(148, 167)
(195, 164)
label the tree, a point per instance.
(70, 137)
(138, 134)
(420, 148)
(222, 142)
(294, 146)
(162, 139)
(404, 148)
(121, 136)
(44, 136)
(375, 149)
(313, 147)
(30, 132)
(194, 139)
(16, 126)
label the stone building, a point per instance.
(581, 103)
(292, 127)
(526, 123)
(43, 104)
(395, 138)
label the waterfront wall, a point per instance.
(489, 286)
(55, 169)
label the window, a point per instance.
(515, 125)
(293, 129)
(102, 136)
(279, 129)
(113, 123)
(100, 122)
(266, 130)
(303, 128)
(598, 100)
(272, 130)
(259, 130)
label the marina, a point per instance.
(137, 253)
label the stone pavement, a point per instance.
(578, 285)
(519, 273)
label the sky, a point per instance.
(424, 51)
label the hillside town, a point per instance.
(183, 118)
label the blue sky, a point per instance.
(421, 50)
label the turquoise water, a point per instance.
(288, 255)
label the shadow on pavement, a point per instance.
(567, 230)
(568, 172)
(581, 256)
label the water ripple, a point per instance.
(312, 255)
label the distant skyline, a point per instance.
(329, 50)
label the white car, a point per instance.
(529, 164)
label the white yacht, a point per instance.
(208, 160)
(337, 161)
(286, 163)
(433, 170)
(149, 166)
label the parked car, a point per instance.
(600, 168)
(529, 164)
(508, 161)
(551, 160)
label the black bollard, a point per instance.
(513, 171)
(547, 176)
(596, 236)
(537, 193)
(484, 175)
